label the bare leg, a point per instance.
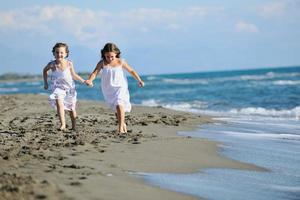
(124, 127)
(73, 116)
(116, 114)
(61, 113)
(121, 119)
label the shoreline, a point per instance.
(94, 162)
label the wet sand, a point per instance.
(93, 162)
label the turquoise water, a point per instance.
(263, 90)
(267, 92)
(259, 112)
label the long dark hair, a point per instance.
(110, 47)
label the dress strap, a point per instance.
(122, 62)
(53, 65)
(103, 63)
(69, 63)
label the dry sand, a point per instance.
(39, 162)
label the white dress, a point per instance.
(63, 87)
(114, 87)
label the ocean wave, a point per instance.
(185, 81)
(9, 89)
(293, 113)
(150, 102)
(262, 135)
(194, 106)
(268, 75)
(10, 83)
(279, 123)
(205, 81)
(286, 188)
(33, 83)
(286, 82)
(202, 108)
(150, 78)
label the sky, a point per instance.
(154, 36)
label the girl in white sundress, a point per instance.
(63, 96)
(114, 82)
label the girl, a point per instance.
(114, 82)
(63, 95)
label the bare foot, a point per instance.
(125, 128)
(62, 128)
(121, 132)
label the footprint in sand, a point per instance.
(75, 183)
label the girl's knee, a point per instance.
(73, 113)
(119, 107)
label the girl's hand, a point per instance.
(46, 86)
(141, 84)
(89, 83)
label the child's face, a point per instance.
(60, 53)
(110, 56)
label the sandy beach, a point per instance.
(93, 162)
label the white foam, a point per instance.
(10, 83)
(286, 188)
(34, 83)
(193, 107)
(204, 81)
(9, 89)
(262, 135)
(263, 121)
(150, 102)
(185, 81)
(268, 75)
(201, 107)
(286, 82)
(293, 113)
(149, 78)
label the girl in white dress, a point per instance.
(63, 96)
(114, 82)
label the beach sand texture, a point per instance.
(93, 162)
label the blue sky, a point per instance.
(154, 36)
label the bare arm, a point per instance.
(94, 74)
(75, 75)
(45, 76)
(133, 73)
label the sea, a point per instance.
(257, 116)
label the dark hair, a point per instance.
(110, 47)
(60, 44)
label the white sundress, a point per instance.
(114, 87)
(63, 87)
